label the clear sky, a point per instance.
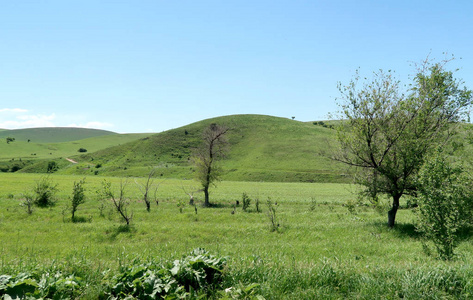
(149, 66)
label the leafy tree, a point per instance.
(386, 134)
(214, 147)
(10, 139)
(444, 203)
(78, 196)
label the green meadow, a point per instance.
(322, 249)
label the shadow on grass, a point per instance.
(81, 220)
(113, 232)
(218, 205)
(402, 230)
(408, 230)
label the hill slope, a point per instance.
(263, 148)
(52, 134)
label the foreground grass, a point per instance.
(320, 249)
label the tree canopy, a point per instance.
(388, 130)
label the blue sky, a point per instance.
(149, 66)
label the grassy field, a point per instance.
(321, 249)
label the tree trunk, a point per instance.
(206, 193)
(393, 211)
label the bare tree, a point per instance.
(120, 201)
(214, 147)
(146, 188)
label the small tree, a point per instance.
(120, 202)
(10, 139)
(386, 133)
(213, 148)
(444, 203)
(78, 196)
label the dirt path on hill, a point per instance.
(71, 160)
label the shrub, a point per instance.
(245, 199)
(52, 167)
(44, 192)
(444, 206)
(15, 167)
(82, 150)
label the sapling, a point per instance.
(78, 196)
(28, 203)
(246, 200)
(274, 223)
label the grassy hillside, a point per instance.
(263, 148)
(52, 134)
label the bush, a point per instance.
(52, 167)
(82, 150)
(44, 192)
(444, 206)
(245, 199)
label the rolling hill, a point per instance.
(263, 148)
(52, 134)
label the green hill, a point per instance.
(52, 134)
(263, 148)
